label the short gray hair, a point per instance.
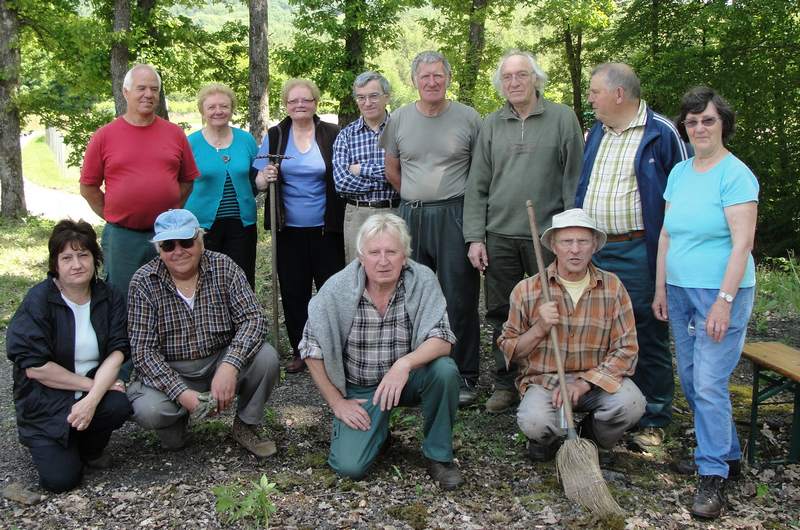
(430, 57)
(368, 76)
(382, 223)
(620, 75)
(127, 82)
(541, 77)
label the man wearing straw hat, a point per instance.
(596, 331)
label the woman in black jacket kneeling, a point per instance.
(67, 341)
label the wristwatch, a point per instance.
(726, 296)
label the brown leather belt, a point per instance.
(628, 236)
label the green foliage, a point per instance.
(747, 51)
(254, 505)
(336, 40)
(778, 284)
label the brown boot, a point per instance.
(249, 437)
(296, 365)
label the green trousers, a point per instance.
(435, 386)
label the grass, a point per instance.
(39, 166)
(778, 285)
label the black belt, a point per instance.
(628, 236)
(388, 203)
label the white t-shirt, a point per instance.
(87, 353)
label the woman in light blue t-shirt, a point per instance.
(705, 278)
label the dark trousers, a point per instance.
(653, 376)
(238, 242)
(510, 260)
(437, 241)
(61, 468)
(306, 256)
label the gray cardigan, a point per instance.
(332, 310)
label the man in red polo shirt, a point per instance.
(146, 166)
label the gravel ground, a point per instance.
(150, 488)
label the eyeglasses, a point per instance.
(297, 101)
(708, 121)
(522, 77)
(372, 98)
(169, 244)
(568, 243)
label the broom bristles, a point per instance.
(578, 469)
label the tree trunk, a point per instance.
(474, 53)
(120, 55)
(354, 58)
(573, 44)
(13, 190)
(258, 97)
(146, 7)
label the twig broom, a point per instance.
(577, 465)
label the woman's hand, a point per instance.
(718, 320)
(660, 304)
(266, 176)
(118, 386)
(82, 413)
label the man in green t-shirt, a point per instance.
(429, 147)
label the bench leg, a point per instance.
(752, 440)
(794, 443)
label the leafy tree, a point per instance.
(574, 22)
(336, 40)
(13, 193)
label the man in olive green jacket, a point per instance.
(529, 149)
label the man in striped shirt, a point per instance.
(359, 172)
(628, 155)
(592, 314)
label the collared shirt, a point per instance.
(375, 342)
(612, 198)
(163, 328)
(597, 337)
(358, 144)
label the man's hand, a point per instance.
(188, 400)
(477, 255)
(575, 390)
(223, 385)
(81, 414)
(355, 169)
(391, 386)
(548, 316)
(352, 413)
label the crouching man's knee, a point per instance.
(536, 417)
(353, 468)
(152, 409)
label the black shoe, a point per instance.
(709, 497)
(688, 467)
(467, 395)
(446, 474)
(542, 452)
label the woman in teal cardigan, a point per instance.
(223, 197)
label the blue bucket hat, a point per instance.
(175, 224)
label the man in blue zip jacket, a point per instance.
(629, 153)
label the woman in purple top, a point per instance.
(309, 235)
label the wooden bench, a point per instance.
(777, 366)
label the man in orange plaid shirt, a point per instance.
(593, 316)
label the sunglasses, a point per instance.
(169, 244)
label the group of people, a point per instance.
(393, 220)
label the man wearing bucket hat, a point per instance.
(197, 338)
(594, 320)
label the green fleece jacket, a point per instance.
(538, 158)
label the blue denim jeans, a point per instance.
(704, 369)
(653, 376)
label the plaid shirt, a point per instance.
(162, 328)
(358, 144)
(597, 337)
(612, 198)
(375, 342)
